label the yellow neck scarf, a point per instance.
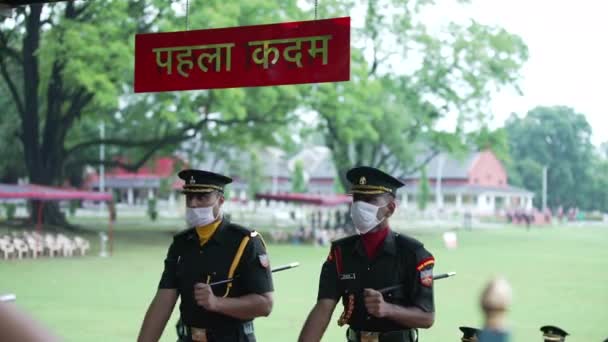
(205, 232)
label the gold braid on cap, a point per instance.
(198, 186)
(371, 188)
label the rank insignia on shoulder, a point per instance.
(253, 234)
(264, 260)
(426, 277)
(425, 263)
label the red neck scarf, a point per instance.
(373, 240)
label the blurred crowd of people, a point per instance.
(537, 216)
(321, 229)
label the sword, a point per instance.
(9, 297)
(436, 277)
(276, 269)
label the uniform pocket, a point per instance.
(395, 296)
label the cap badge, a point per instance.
(192, 180)
(362, 181)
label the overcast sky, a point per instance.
(568, 46)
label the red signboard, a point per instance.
(249, 56)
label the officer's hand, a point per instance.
(375, 304)
(203, 295)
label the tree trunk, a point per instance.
(342, 162)
(43, 159)
(50, 215)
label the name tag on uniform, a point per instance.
(347, 276)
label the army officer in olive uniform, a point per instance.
(360, 265)
(212, 249)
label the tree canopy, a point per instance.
(560, 139)
(67, 67)
(404, 78)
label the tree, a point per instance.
(254, 175)
(560, 139)
(12, 166)
(495, 140)
(68, 66)
(299, 183)
(385, 116)
(424, 191)
(596, 191)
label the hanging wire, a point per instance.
(316, 9)
(187, 13)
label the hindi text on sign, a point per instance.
(261, 55)
(186, 52)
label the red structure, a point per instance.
(476, 183)
(47, 193)
(136, 187)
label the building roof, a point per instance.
(318, 200)
(148, 176)
(129, 181)
(274, 163)
(453, 167)
(325, 169)
(472, 189)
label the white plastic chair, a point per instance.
(7, 248)
(36, 246)
(20, 248)
(66, 247)
(51, 245)
(82, 245)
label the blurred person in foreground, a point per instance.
(211, 249)
(495, 301)
(18, 326)
(360, 265)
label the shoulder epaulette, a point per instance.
(183, 233)
(408, 242)
(240, 229)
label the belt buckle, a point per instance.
(198, 335)
(248, 328)
(369, 336)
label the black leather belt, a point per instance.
(406, 335)
(219, 334)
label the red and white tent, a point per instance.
(48, 193)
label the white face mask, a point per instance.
(197, 217)
(365, 216)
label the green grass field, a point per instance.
(559, 276)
